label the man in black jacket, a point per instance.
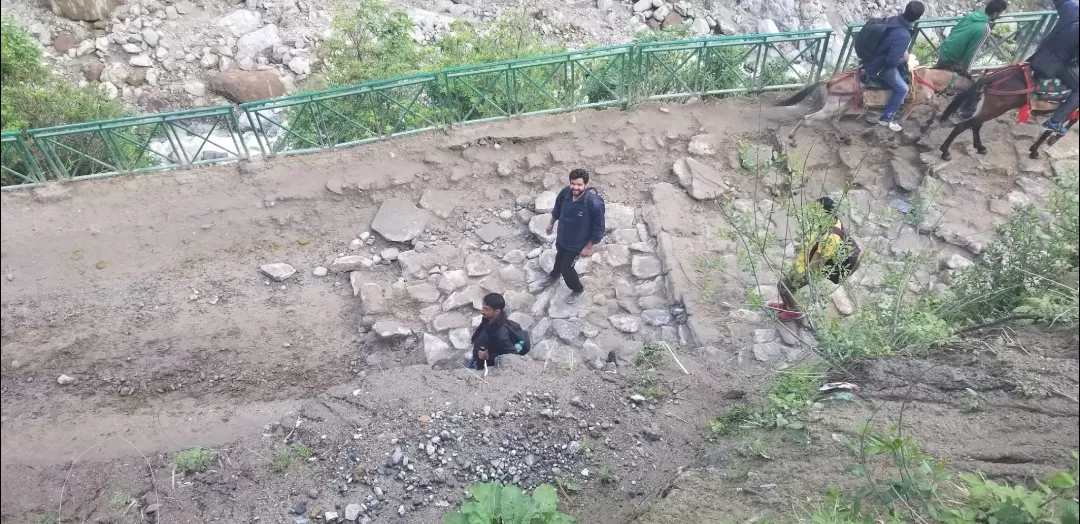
(579, 210)
(492, 337)
(1056, 57)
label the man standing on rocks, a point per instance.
(493, 336)
(579, 210)
(835, 254)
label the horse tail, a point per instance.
(801, 95)
(964, 96)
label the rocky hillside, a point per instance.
(159, 55)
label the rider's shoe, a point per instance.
(1055, 127)
(891, 125)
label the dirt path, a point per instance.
(146, 291)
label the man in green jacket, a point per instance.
(967, 36)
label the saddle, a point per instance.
(871, 82)
(1050, 90)
(1043, 90)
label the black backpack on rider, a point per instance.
(869, 37)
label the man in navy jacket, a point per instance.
(1056, 57)
(579, 210)
(891, 57)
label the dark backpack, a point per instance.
(870, 37)
(521, 336)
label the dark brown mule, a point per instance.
(1005, 89)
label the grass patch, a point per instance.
(793, 392)
(284, 457)
(194, 460)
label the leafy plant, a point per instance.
(194, 460)
(606, 475)
(757, 447)
(923, 490)
(972, 400)
(284, 457)
(493, 503)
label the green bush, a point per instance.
(33, 97)
(922, 489)
(493, 503)
(1028, 270)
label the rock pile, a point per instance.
(420, 289)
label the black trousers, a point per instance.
(564, 265)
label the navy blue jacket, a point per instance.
(580, 222)
(890, 50)
(1058, 49)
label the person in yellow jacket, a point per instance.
(824, 254)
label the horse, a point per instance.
(845, 91)
(1003, 90)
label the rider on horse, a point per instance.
(1056, 57)
(889, 56)
(965, 39)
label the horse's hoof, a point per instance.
(1034, 155)
(945, 155)
(981, 150)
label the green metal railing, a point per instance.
(732, 64)
(1013, 38)
(617, 76)
(124, 145)
(17, 164)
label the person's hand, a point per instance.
(907, 57)
(550, 229)
(586, 251)
(482, 354)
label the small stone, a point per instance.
(277, 271)
(390, 254)
(64, 380)
(390, 329)
(352, 512)
(625, 323)
(656, 317)
(195, 88)
(320, 271)
(650, 433)
(479, 264)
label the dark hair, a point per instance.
(828, 205)
(580, 174)
(914, 11)
(996, 6)
(494, 301)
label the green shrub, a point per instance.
(493, 503)
(921, 489)
(33, 97)
(194, 460)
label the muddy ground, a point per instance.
(146, 291)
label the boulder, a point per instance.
(545, 202)
(435, 350)
(538, 225)
(254, 43)
(84, 10)
(391, 329)
(704, 145)
(618, 216)
(399, 221)
(63, 42)
(240, 22)
(701, 181)
(247, 86)
(905, 175)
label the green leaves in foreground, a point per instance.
(493, 503)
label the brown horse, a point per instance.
(844, 92)
(1004, 89)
